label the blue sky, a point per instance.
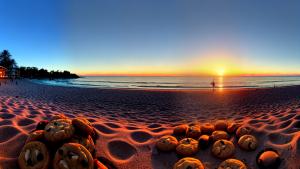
(137, 36)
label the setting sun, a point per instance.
(221, 71)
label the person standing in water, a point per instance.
(213, 84)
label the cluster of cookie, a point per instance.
(61, 143)
(195, 137)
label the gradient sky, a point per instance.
(154, 37)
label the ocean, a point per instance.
(175, 82)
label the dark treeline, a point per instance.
(13, 71)
(35, 73)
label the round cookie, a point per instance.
(242, 131)
(181, 129)
(204, 141)
(232, 127)
(248, 142)
(221, 125)
(37, 135)
(232, 164)
(99, 165)
(58, 130)
(167, 143)
(188, 163)
(223, 149)
(218, 135)
(83, 125)
(268, 158)
(187, 147)
(207, 128)
(194, 132)
(87, 142)
(34, 155)
(73, 156)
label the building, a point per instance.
(3, 72)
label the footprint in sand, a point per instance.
(121, 150)
(141, 136)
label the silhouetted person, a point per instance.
(213, 84)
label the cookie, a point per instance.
(167, 143)
(87, 142)
(207, 128)
(181, 129)
(223, 149)
(73, 156)
(232, 127)
(59, 130)
(218, 135)
(34, 155)
(248, 142)
(194, 132)
(268, 158)
(37, 135)
(187, 147)
(58, 116)
(232, 163)
(83, 125)
(204, 141)
(99, 165)
(41, 125)
(242, 131)
(221, 125)
(188, 163)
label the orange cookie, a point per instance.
(59, 130)
(232, 164)
(223, 149)
(34, 155)
(218, 135)
(73, 156)
(207, 128)
(242, 131)
(188, 163)
(221, 125)
(167, 143)
(194, 132)
(187, 147)
(181, 129)
(83, 125)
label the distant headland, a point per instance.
(10, 69)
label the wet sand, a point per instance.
(130, 121)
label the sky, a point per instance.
(143, 37)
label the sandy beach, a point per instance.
(130, 121)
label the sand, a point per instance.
(130, 121)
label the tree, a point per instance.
(6, 60)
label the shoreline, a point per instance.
(133, 120)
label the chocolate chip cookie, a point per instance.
(232, 164)
(207, 128)
(73, 156)
(34, 155)
(242, 131)
(218, 135)
(181, 129)
(188, 163)
(194, 132)
(87, 142)
(187, 147)
(167, 143)
(248, 142)
(59, 130)
(83, 125)
(37, 135)
(223, 149)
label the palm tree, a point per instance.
(6, 61)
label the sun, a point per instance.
(220, 71)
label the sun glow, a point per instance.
(220, 71)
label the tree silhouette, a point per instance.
(6, 60)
